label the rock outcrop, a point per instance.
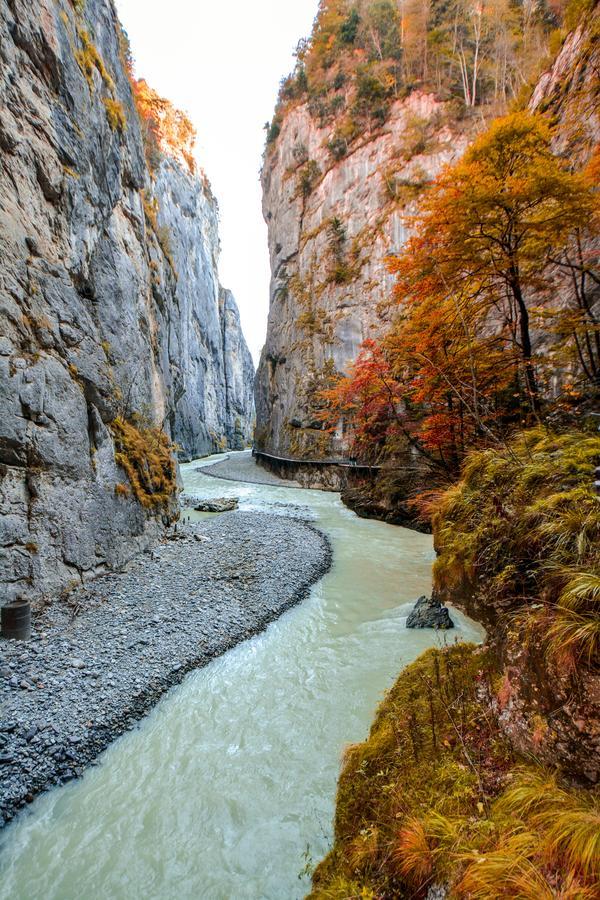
(568, 91)
(239, 376)
(109, 300)
(331, 223)
(336, 207)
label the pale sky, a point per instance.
(221, 62)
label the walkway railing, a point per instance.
(342, 463)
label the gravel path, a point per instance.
(97, 665)
(243, 467)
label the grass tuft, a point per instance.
(115, 114)
(523, 525)
(89, 60)
(145, 454)
(436, 796)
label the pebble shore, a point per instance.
(99, 661)
(243, 467)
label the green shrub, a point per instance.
(349, 28)
(308, 175)
(273, 130)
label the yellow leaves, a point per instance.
(115, 114)
(508, 196)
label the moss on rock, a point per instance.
(436, 796)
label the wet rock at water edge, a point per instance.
(217, 504)
(429, 612)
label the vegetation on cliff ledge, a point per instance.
(364, 54)
(520, 534)
(146, 455)
(496, 296)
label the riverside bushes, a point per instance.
(447, 790)
(436, 796)
(520, 533)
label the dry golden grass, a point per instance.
(435, 796)
(525, 522)
(115, 114)
(89, 60)
(145, 454)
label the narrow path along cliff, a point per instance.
(234, 772)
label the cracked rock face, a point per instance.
(207, 365)
(331, 223)
(97, 319)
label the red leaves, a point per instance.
(457, 366)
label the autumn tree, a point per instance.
(457, 367)
(436, 383)
(367, 402)
(490, 224)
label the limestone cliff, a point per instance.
(331, 223)
(203, 345)
(109, 301)
(568, 91)
(340, 185)
(239, 375)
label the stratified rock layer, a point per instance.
(328, 239)
(109, 300)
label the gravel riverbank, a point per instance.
(97, 664)
(242, 466)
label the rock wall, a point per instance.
(568, 91)
(239, 375)
(331, 223)
(207, 364)
(206, 360)
(109, 300)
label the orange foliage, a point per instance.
(370, 400)
(166, 130)
(458, 365)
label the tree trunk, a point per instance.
(525, 338)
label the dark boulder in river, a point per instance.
(429, 612)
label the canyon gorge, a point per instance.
(221, 565)
(111, 303)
